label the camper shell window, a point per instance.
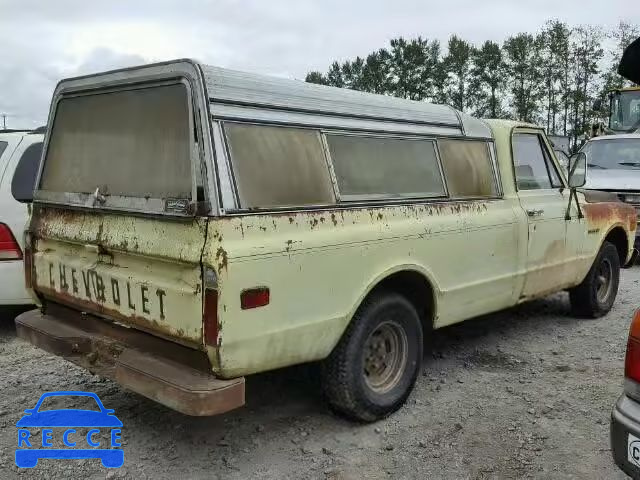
(385, 167)
(278, 166)
(126, 143)
(468, 168)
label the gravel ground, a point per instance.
(525, 393)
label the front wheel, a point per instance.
(594, 297)
(373, 369)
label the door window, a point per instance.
(534, 169)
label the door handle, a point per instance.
(535, 213)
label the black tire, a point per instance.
(348, 388)
(588, 299)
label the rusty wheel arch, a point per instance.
(417, 288)
(618, 237)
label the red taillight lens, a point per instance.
(9, 248)
(632, 359)
(211, 317)
(254, 298)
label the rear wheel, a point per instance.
(594, 297)
(373, 369)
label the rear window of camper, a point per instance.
(129, 143)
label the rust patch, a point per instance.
(604, 214)
(100, 230)
(221, 258)
(91, 307)
(333, 220)
(173, 375)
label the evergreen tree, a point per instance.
(551, 77)
(334, 76)
(411, 67)
(457, 65)
(555, 38)
(376, 72)
(522, 58)
(488, 80)
(316, 77)
(586, 54)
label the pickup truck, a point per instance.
(614, 167)
(193, 225)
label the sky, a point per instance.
(42, 41)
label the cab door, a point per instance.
(544, 199)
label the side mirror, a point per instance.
(577, 170)
(597, 105)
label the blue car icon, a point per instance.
(69, 418)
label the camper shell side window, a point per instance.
(279, 166)
(468, 168)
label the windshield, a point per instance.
(625, 110)
(621, 153)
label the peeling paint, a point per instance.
(605, 214)
(221, 257)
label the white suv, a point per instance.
(19, 160)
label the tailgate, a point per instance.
(139, 272)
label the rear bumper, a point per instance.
(625, 420)
(170, 374)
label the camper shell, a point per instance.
(217, 94)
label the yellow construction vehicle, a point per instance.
(624, 103)
(624, 110)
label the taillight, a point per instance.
(210, 309)
(9, 248)
(28, 259)
(254, 298)
(632, 359)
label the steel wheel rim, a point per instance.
(604, 280)
(385, 356)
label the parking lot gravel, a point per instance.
(524, 393)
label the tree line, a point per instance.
(550, 78)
